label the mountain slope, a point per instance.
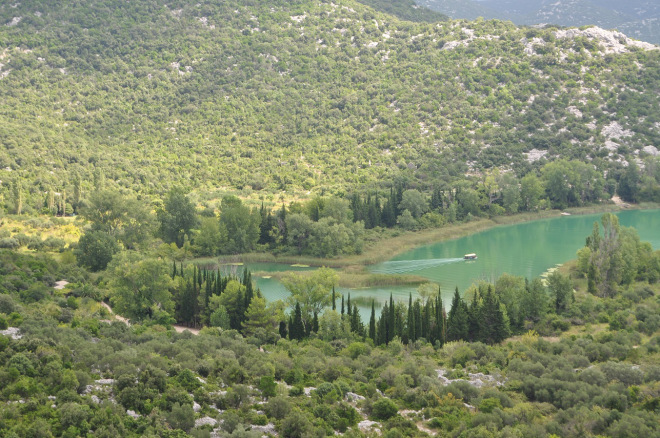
(405, 10)
(637, 18)
(295, 95)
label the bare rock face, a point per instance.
(651, 150)
(611, 40)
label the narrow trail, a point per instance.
(115, 316)
(177, 327)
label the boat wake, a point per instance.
(403, 266)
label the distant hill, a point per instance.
(298, 95)
(405, 10)
(639, 19)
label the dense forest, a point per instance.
(277, 98)
(584, 361)
(145, 145)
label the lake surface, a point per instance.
(527, 249)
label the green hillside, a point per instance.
(298, 96)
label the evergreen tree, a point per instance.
(296, 328)
(356, 322)
(391, 321)
(282, 330)
(334, 303)
(315, 323)
(342, 305)
(411, 320)
(494, 325)
(372, 322)
(383, 331)
(474, 316)
(348, 306)
(457, 320)
(258, 316)
(417, 311)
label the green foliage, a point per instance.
(177, 217)
(292, 113)
(311, 291)
(140, 286)
(95, 250)
(384, 409)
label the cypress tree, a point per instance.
(457, 321)
(372, 322)
(174, 270)
(383, 335)
(348, 306)
(418, 319)
(411, 320)
(494, 325)
(334, 304)
(356, 322)
(315, 323)
(426, 320)
(473, 318)
(283, 330)
(297, 329)
(342, 304)
(391, 321)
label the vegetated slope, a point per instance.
(638, 18)
(405, 10)
(294, 95)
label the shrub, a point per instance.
(384, 409)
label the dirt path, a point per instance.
(183, 328)
(178, 328)
(117, 317)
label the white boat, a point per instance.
(471, 256)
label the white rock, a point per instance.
(132, 413)
(535, 155)
(651, 150)
(205, 421)
(612, 41)
(615, 130)
(12, 332)
(368, 425)
(351, 396)
(267, 429)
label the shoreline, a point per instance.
(388, 247)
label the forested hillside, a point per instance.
(299, 95)
(637, 18)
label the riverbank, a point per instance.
(394, 242)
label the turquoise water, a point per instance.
(527, 249)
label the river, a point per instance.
(526, 249)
